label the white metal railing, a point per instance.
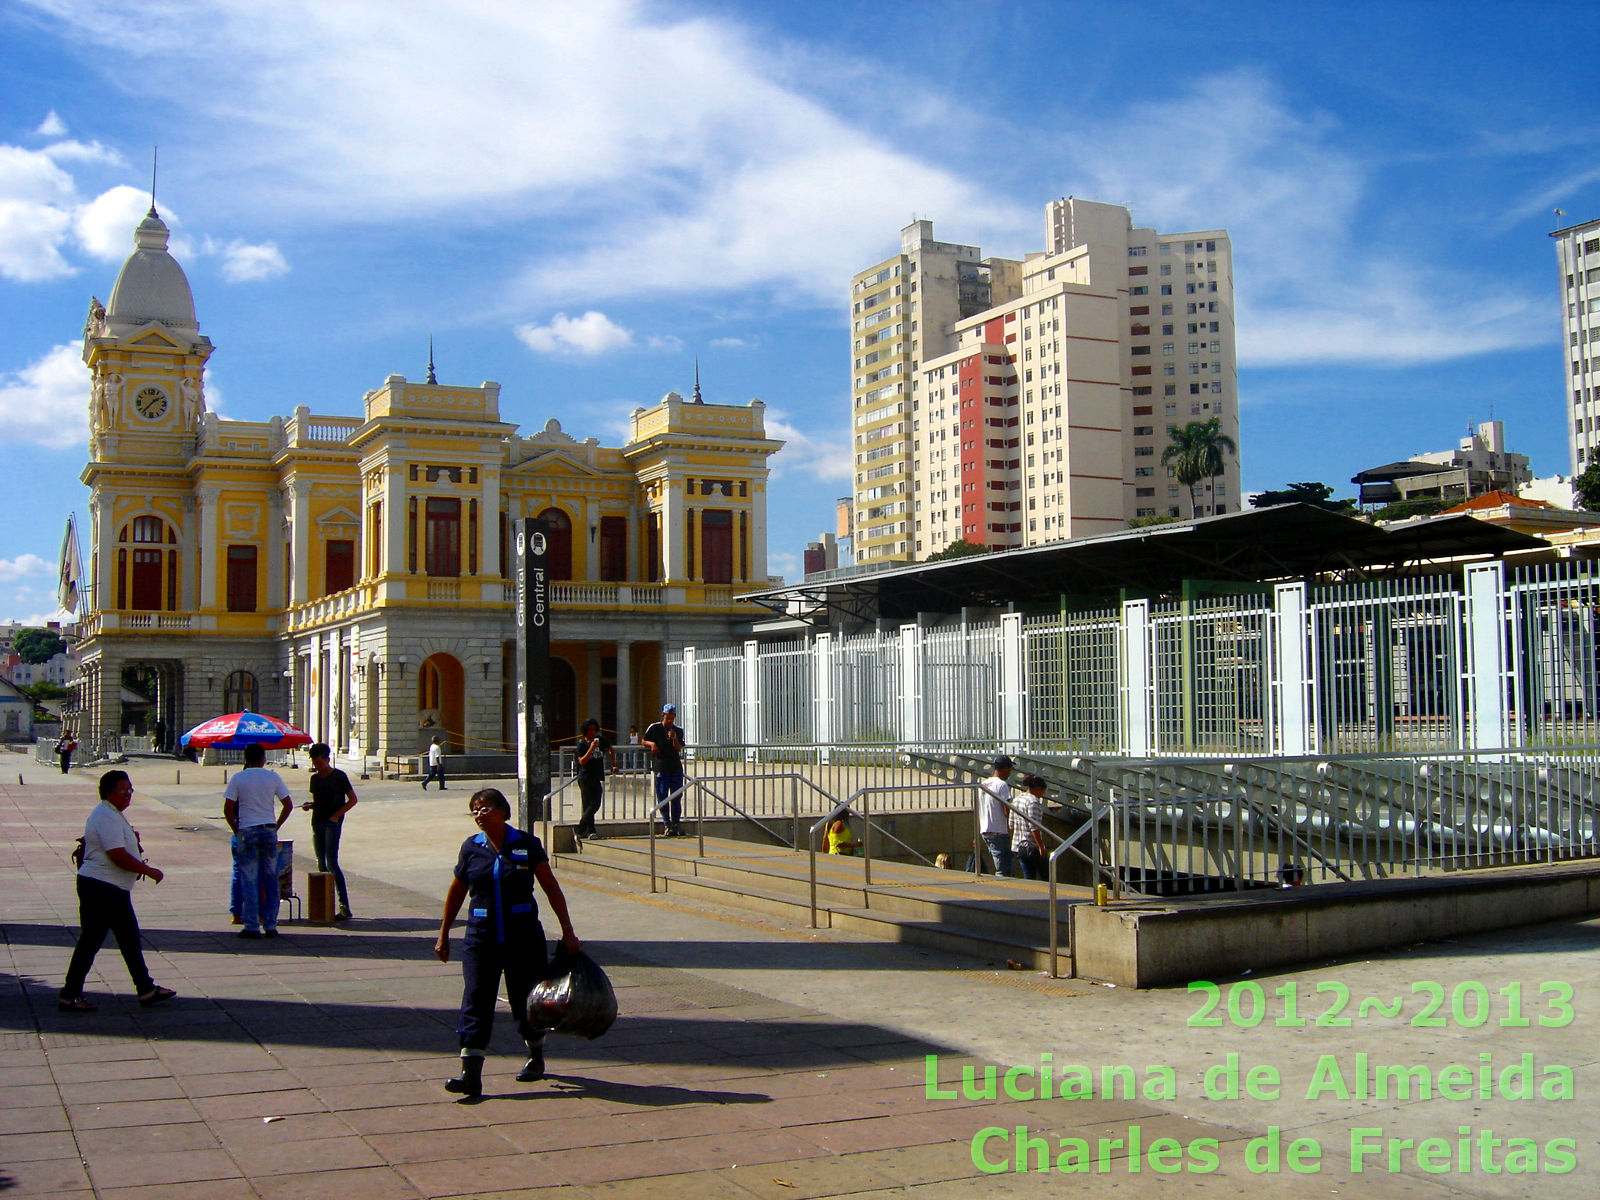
(1492, 659)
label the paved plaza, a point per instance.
(749, 1059)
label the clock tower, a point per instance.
(147, 357)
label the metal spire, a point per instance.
(154, 152)
(432, 378)
(698, 399)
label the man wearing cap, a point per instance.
(994, 818)
(664, 740)
(1027, 819)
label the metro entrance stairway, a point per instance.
(981, 917)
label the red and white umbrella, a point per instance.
(237, 730)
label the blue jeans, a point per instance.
(667, 784)
(999, 845)
(436, 771)
(258, 877)
(325, 842)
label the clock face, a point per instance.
(151, 403)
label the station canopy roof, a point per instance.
(1285, 543)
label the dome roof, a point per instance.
(151, 285)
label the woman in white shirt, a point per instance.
(112, 862)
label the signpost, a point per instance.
(533, 670)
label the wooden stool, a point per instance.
(319, 897)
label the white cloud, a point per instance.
(52, 126)
(592, 333)
(824, 458)
(104, 226)
(733, 343)
(673, 147)
(47, 402)
(24, 566)
(245, 263)
(36, 199)
(786, 564)
(664, 341)
(1235, 153)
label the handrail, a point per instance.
(703, 788)
(866, 842)
(549, 813)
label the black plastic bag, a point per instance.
(574, 997)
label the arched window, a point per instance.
(558, 528)
(147, 565)
(240, 692)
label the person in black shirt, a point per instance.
(331, 797)
(497, 868)
(664, 740)
(594, 749)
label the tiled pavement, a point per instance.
(311, 1066)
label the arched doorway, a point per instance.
(561, 713)
(441, 699)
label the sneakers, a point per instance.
(269, 933)
(253, 934)
(342, 915)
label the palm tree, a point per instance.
(1195, 453)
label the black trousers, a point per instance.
(105, 908)
(593, 792)
(521, 959)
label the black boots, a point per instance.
(533, 1070)
(470, 1082)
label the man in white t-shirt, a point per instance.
(247, 806)
(994, 818)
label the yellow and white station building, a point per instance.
(350, 572)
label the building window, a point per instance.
(338, 566)
(558, 542)
(241, 580)
(241, 693)
(443, 550)
(614, 549)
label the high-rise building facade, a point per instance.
(1044, 415)
(1578, 253)
(902, 312)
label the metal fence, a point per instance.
(1488, 659)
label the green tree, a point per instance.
(1196, 452)
(37, 645)
(1586, 488)
(960, 548)
(1319, 495)
(1141, 522)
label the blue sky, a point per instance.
(576, 199)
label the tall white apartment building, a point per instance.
(1045, 414)
(902, 312)
(1578, 253)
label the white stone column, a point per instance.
(300, 549)
(625, 713)
(672, 532)
(210, 548)
(395, 559)
(489, 526)
(758, 531)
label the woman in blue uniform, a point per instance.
(496, 870)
